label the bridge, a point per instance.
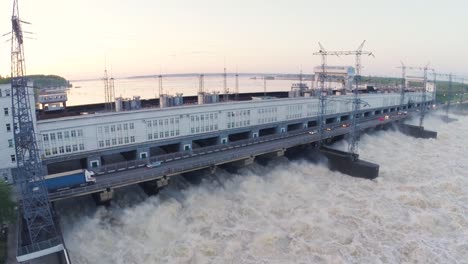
(123, 174)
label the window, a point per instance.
(8, 127)
(125, 126)
(114, 141)
(73, 133)
(120, 140)
(94, 163)
(5, 110)
(126, 140)
(81, 146)
(13, 158)
(47, 152)
(54, 151)
(132, 139)
(66, 135)
(7, 92)
(131, 126)
(10, 143)
(68, 148)
(75, 148)
(106, 129)
(80, 132)
(143, 155)
(61, 149)
(149, 124)
(45, 137)
(101, 143)
(113, 128)
(59, 135)
(119, 127)
(52, 136)
(107, 143)
(150, 136)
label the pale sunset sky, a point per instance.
(138, 37)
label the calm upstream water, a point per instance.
(294, 212)
(89, 92)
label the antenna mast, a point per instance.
(37, 218)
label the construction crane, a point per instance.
(425, 70)
(37, 217)
(322, 96)
(358, 53)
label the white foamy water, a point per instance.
(296, 212)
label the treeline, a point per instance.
(42, 81)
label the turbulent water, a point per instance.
(295, 212)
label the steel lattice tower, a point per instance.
(37, 215)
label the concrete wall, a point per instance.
(7, 150)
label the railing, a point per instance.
(201, 158)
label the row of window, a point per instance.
(201, 123)
(294, 111)
(267, 120)
(202, 117)
(162, 122)
(114, 128)
(62, 135)
(162, 128)
(116, 141)
(238, 113)
(312, 109)
(64, 149)
(239, 124)
(201, 129)
(267, 110)
(165, 134)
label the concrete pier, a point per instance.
(234, 166)
(104, 197)
(350, 164)
(266, 158)
(153, 187)
(416, 131)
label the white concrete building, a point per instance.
(7, 150)
(88, 135)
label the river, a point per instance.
(294, 212)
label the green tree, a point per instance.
(7, 206)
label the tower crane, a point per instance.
(41, 236)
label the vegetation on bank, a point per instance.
(7, 206)
(42, 81)
(7, 215)
(443, 93)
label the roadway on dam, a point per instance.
(133, 172)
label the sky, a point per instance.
(78, 38)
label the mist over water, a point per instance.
(295, 212)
